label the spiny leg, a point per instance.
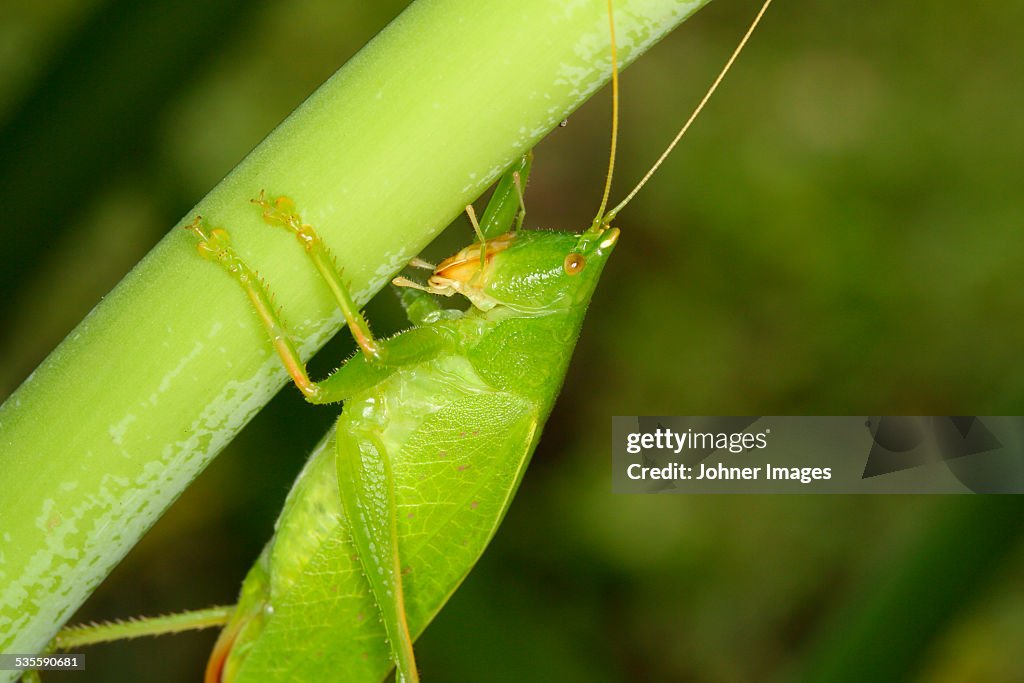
(411, 347)
(215, 245)
(104, 632)
(81, 635)
(282, 212)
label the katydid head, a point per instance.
(525, 269)
(548, 270)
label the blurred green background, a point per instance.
(841, 233)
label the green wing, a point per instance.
(307, 612)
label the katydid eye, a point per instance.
(574, 263)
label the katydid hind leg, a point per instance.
(368, 498)
(105, 632)
(81, 635)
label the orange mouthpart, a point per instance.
(465, 265)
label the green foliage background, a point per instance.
(840, 234)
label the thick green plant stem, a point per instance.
(159, 377)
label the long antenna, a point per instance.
(599, 218)
(696, 112)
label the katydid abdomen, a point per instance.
(458, 429)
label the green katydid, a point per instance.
(437, 427)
